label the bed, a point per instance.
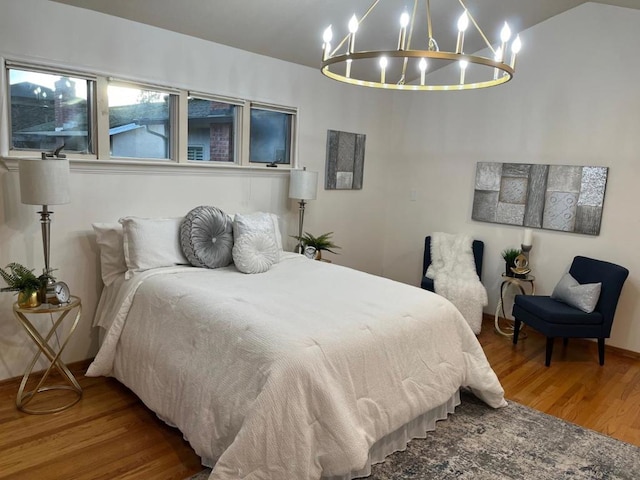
(309, 370)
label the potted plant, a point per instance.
(322, 242)
(509, 255)
(22, 280)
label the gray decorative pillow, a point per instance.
(584, 297)
(254, 252)
(206, 237)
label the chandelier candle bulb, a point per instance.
(515, 49)
(404, 21)
(463, 69)
(326, 51)
(383, 68)
(353, 28)
(347, 73)
(327, 36)
(422, 65)
(505, 35)
(463, 23)
(498, 58)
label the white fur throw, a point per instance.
(454, 276)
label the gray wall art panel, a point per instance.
(345, 160)
(555, 197)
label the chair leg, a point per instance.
(547, 361)
(516, 330)
(565, 341)
(601, 350)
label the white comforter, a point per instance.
(290, 374)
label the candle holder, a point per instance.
(525, 251)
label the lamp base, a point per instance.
(47, 293)
(299, 248)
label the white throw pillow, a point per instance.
(109, 237)
(151, 243)
(276, 227)
(584, 297)
(255, 252)
(258, 222)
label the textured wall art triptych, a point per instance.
(345, 160)
(555, 197)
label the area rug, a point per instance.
(516, 442)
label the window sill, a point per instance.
(145, 167)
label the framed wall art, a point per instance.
(345, 160)
(568, 198)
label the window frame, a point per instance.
(293, 134)
(173, 118)
(98, 124)
(92, 120)
(237, 125)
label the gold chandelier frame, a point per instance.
(500, 71)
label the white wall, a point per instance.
(574, 101)
(39, 30)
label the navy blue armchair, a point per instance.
(556, 319)
(427, 283)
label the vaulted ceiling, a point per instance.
(291, 30)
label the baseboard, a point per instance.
(81, 366)
(488, 318)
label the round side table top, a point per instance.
(49, 307)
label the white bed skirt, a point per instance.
(395, 441)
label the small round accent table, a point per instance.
(507, 283)
(53, 355)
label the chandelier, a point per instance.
(425, 67)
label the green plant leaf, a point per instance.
(322, 242)
(19, 279)
(510, 254)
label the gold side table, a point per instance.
(507, 283)
(45, 347)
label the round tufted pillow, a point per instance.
(254, 252)
(206, 237)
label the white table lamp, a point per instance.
(44, 182)
(303, 185)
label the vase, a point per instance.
(318, 255)
(508, 272)
(28, 300)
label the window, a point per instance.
(271, 133)
(213, 124)
(139, 122)
(52, 107)
(49, 110)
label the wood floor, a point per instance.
(110, 434)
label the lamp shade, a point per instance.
(303, 184)
(44, 182)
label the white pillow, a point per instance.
(151, 243)
(584, 297)
(109, 237)
(258, 222)
(276, 227)
(255, 252)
